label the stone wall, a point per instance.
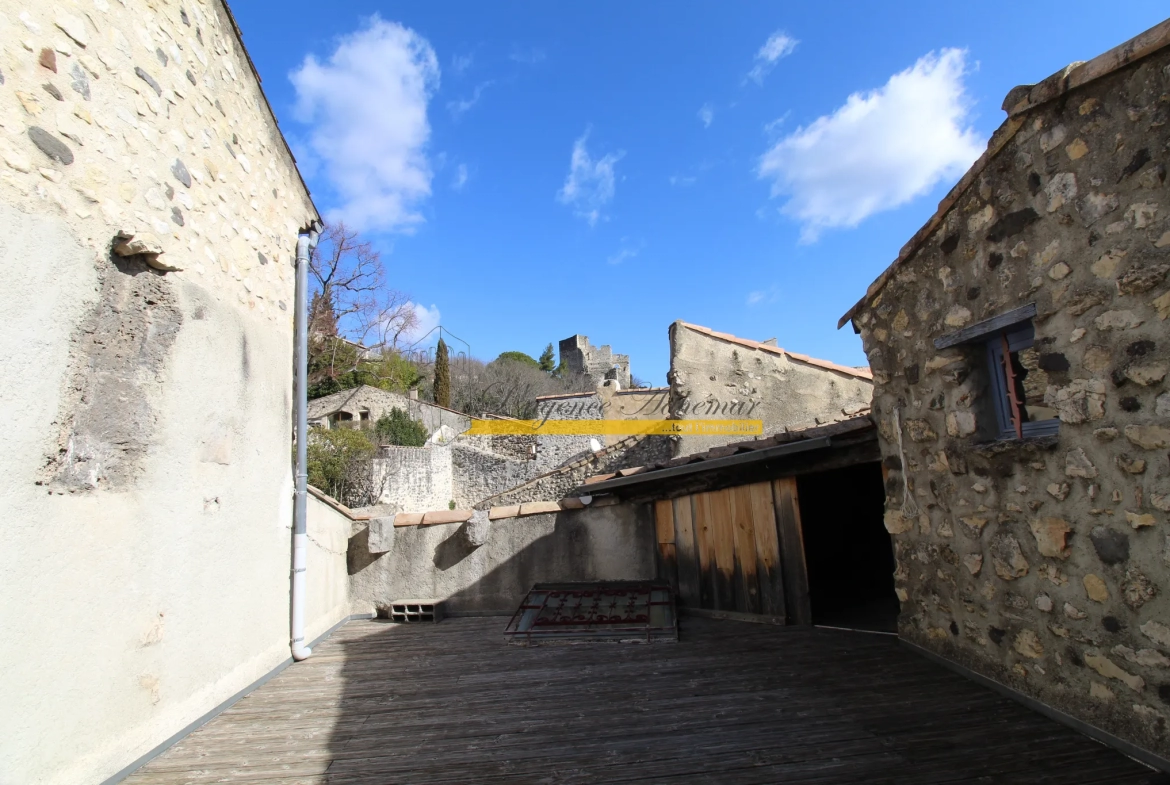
(380, 402)
(630, 452)
(415, 478)
(1042, 563)
(439, 562)
(478, 472)
(148, 488)
(597, 362)
(718, 376)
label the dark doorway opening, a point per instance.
(848, 551)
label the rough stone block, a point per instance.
(381, 534)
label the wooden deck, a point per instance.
(730, 703)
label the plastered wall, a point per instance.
(439, 562)
(145, 484)
(712, 379)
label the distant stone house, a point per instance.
(715, 375)
(363, 406)
(1019, 353)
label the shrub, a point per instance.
(399, 429)
(340, 463)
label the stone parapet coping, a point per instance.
(524, 510)
(1018, 102)
(329, 501)
(617, 446)
(860, 373)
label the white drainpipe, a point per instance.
(306, 242)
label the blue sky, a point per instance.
(533, 170)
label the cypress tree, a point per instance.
(547, 362)
(442, 376)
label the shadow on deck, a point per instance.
(730, 703)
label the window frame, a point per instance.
(1015, 330)
(1015, 339)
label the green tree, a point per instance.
(442, 376)
(518, 357)
(340, 462)
(547, 361)
(399, 429)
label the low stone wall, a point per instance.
(478, 472)
(634, 451)
(439, 562)
(416, 478)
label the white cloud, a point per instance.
(526, 56)
(367, 111)
(772, 129)
(460, 106)
(778, 45)
(590, 183)
(460, 63)
(428, 319)
(461, 176)
(879, 150)
(628, 251)
(706, 115)
(769, 295)
(681, 180)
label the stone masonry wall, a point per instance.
(146, 116)
(415, 478)
(147, 500)
(479, 472)
(596, 362)
(712, 378)
(1044, 563)
(379, 402)
(632, 451)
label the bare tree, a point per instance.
(350, 295)
(507, 387)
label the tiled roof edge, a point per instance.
(861, 373)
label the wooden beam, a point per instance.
(986, 327)
(747, 585)
(664, 529)
(768, 568)
(724, 532)
(686, 551)
(796, 595)
(664, 520)
(705, 539)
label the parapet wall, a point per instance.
(439, 562)
(416, 478)
(718, 376)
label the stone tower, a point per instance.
(597, 362)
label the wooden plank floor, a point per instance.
(731, 703)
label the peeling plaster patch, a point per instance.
(118, 363)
